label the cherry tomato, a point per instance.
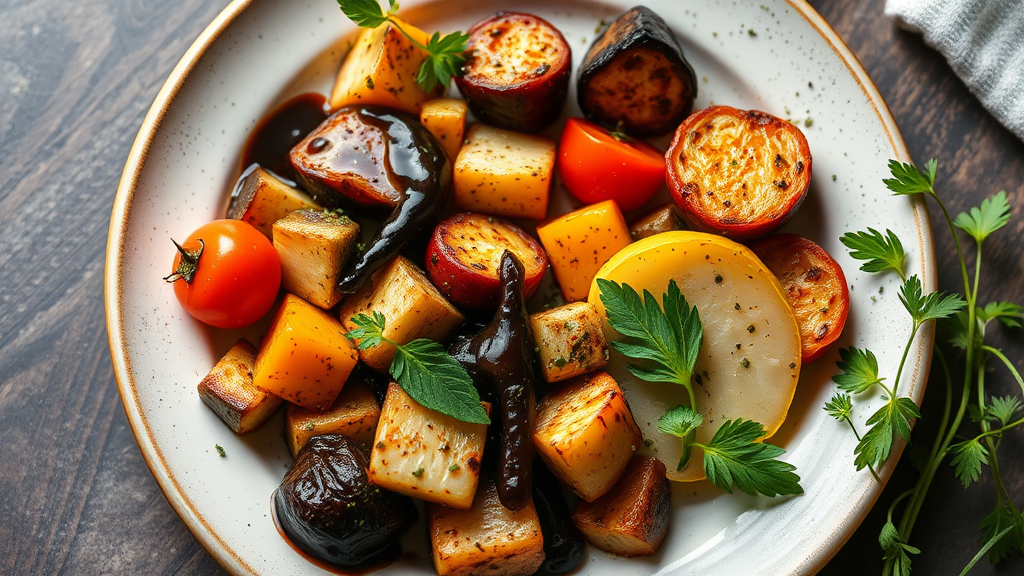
(594, 165)
(226, 274)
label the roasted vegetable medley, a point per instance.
(399, 247)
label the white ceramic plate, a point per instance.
(774, 55)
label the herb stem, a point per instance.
(999, 354)
(984, 549)
(857, 435)
(903, 360)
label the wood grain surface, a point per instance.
(76, 79)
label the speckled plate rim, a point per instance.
(919, 361)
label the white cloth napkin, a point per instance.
(983, 40)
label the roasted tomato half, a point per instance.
(517, 73)
(815, 286)
(464, 256)
(226, 274)
(595, 165)
(738, 173)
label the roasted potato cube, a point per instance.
(354, 414)
(580, 242)
(445, 118)
(504, 173)
(426, 454)
(228, 391)
(381, 69)
(412, 306)
(570, 339)
(586, 434)
(262, 199)
(486, 540)
(314, 247)
(632, 519)
(305, 357)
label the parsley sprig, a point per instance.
(968, 320)
(444, 53)
(666, 340)
(425, 371)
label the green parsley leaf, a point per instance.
(840, 406)
(1004, 408)
(890, 420)
(670, 339)
(956, 327)
(934, 306)
(908, 179)
(967, 460)
(1004, 515)
(220, 450)
(365, 13)
(860, 370)
(993, 214)
(369, 331)
(444, 53)
(425, 371)
(881, 252)
(445, 60)
(437, 381)
(735, 456)
(1008, 313)
(681, 421)
(895, 549)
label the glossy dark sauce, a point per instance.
(387, 558)
(273, 137)
(421, 175)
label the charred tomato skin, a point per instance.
(527, 101)
(464, 255)
(738, 173)
(815, 285)
(327, 506)
(635, 74)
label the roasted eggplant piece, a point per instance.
(327, 506)
(635, 75)
(517, 72)
(815, 286)
(632, 519)
(738, 173)
(376, 157)
(501, 358)
(464, 255)
(563, 542)
(664, 219)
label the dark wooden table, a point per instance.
(76, 79)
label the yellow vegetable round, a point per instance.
(749, 361)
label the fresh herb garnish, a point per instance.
(1003, 528)
(668, 339)
(444, 53)
(425, 371)
(220, 450)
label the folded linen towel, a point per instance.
(983, 40)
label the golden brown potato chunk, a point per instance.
(354, 414)
(229, 391)
(632, 519)
(586, 434)
(486, 540)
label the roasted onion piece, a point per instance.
(328, 508)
